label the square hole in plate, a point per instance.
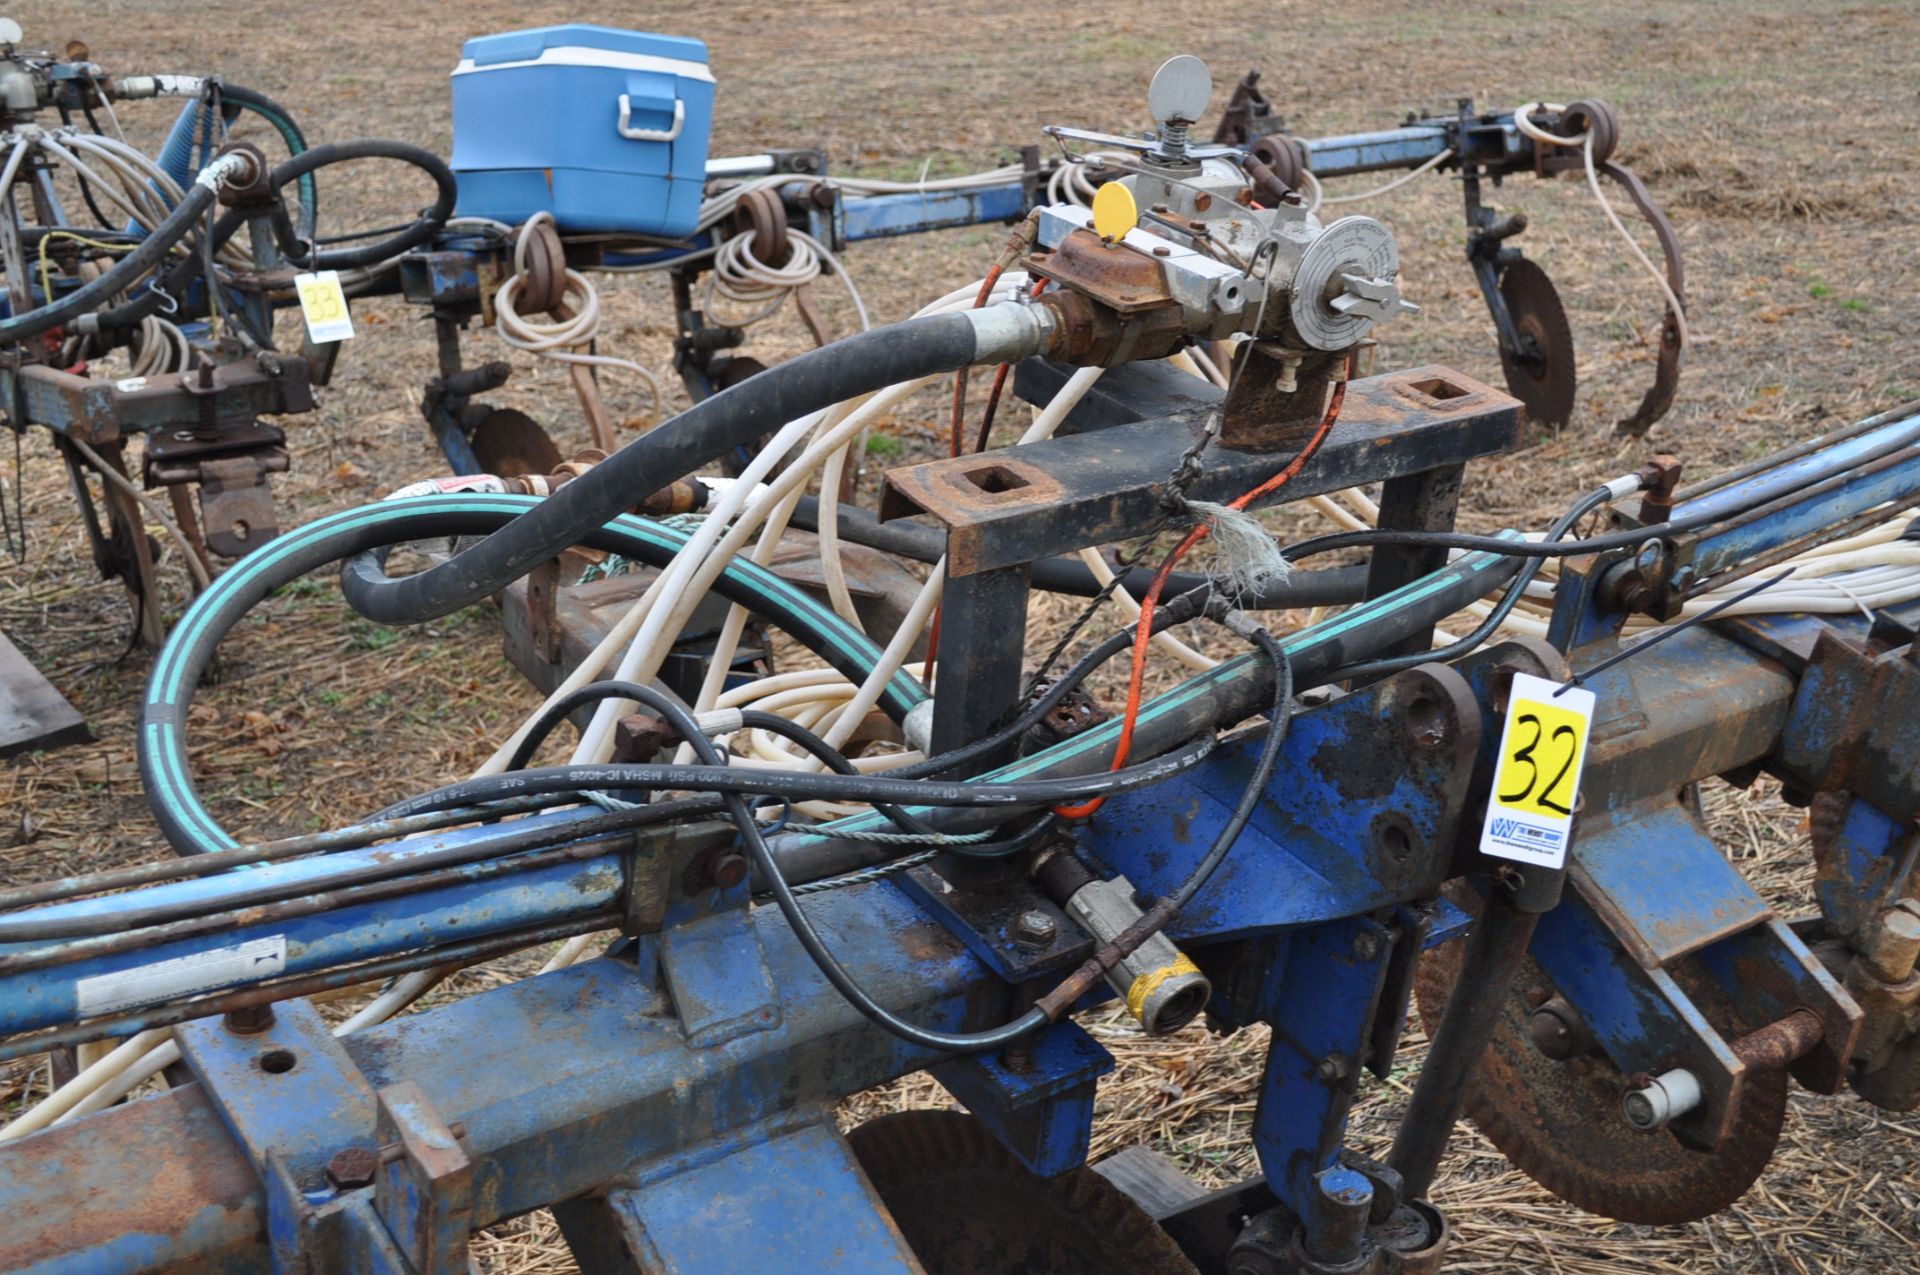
(1439, 387)
(996, 479)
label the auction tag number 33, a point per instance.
(323, 303)
(1536, 781)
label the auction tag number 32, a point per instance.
(1536, 781)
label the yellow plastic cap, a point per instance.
(1114, 212)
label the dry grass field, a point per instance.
(1783, 138)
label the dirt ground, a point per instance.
(1781, 137)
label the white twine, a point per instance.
(1251, 560)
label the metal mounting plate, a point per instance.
(1014, 505)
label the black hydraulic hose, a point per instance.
(1340, 586)
(1496, 617)
(1278, 717)
(906, 821)
(300, 251)
(832, 757)
(1059, 1001)
(1017, 794)
(697, 437)
(282, 123)
(1209, 701)
(122, 275)
(620, 688)
(169, 286)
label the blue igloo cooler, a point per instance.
(605, 129)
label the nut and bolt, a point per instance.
(1333, 1068)
(1625, 588)
(1366, 945)
(249, 1020)
(352, 1168)
(1034, 928)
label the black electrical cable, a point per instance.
(1178, 611)
(1625, 539)
(708, 430)
(801, 786)
(830, 968)
(1263, 767)
(1496, 617)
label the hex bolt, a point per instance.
(352, 1168)
(1661, 1100)
(1333, 1068)
(1366, 945)
(249, 1020)
(1034, 928)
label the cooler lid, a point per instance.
(584, 44)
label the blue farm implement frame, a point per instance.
(672, 1100)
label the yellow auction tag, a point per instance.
(1536, 780)
(1114, 212)
(324, 305)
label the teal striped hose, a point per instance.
(183, 817)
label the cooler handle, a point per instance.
(628, 131)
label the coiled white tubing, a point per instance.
(564, 340)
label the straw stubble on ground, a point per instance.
(1780, 136)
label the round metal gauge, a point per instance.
(1351, 245)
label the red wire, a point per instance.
(999, 384)
(1144, 635)
(956, 430)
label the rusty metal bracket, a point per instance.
(97, 411)
(1850, 723)
(424, 1191)
(1011, 506)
